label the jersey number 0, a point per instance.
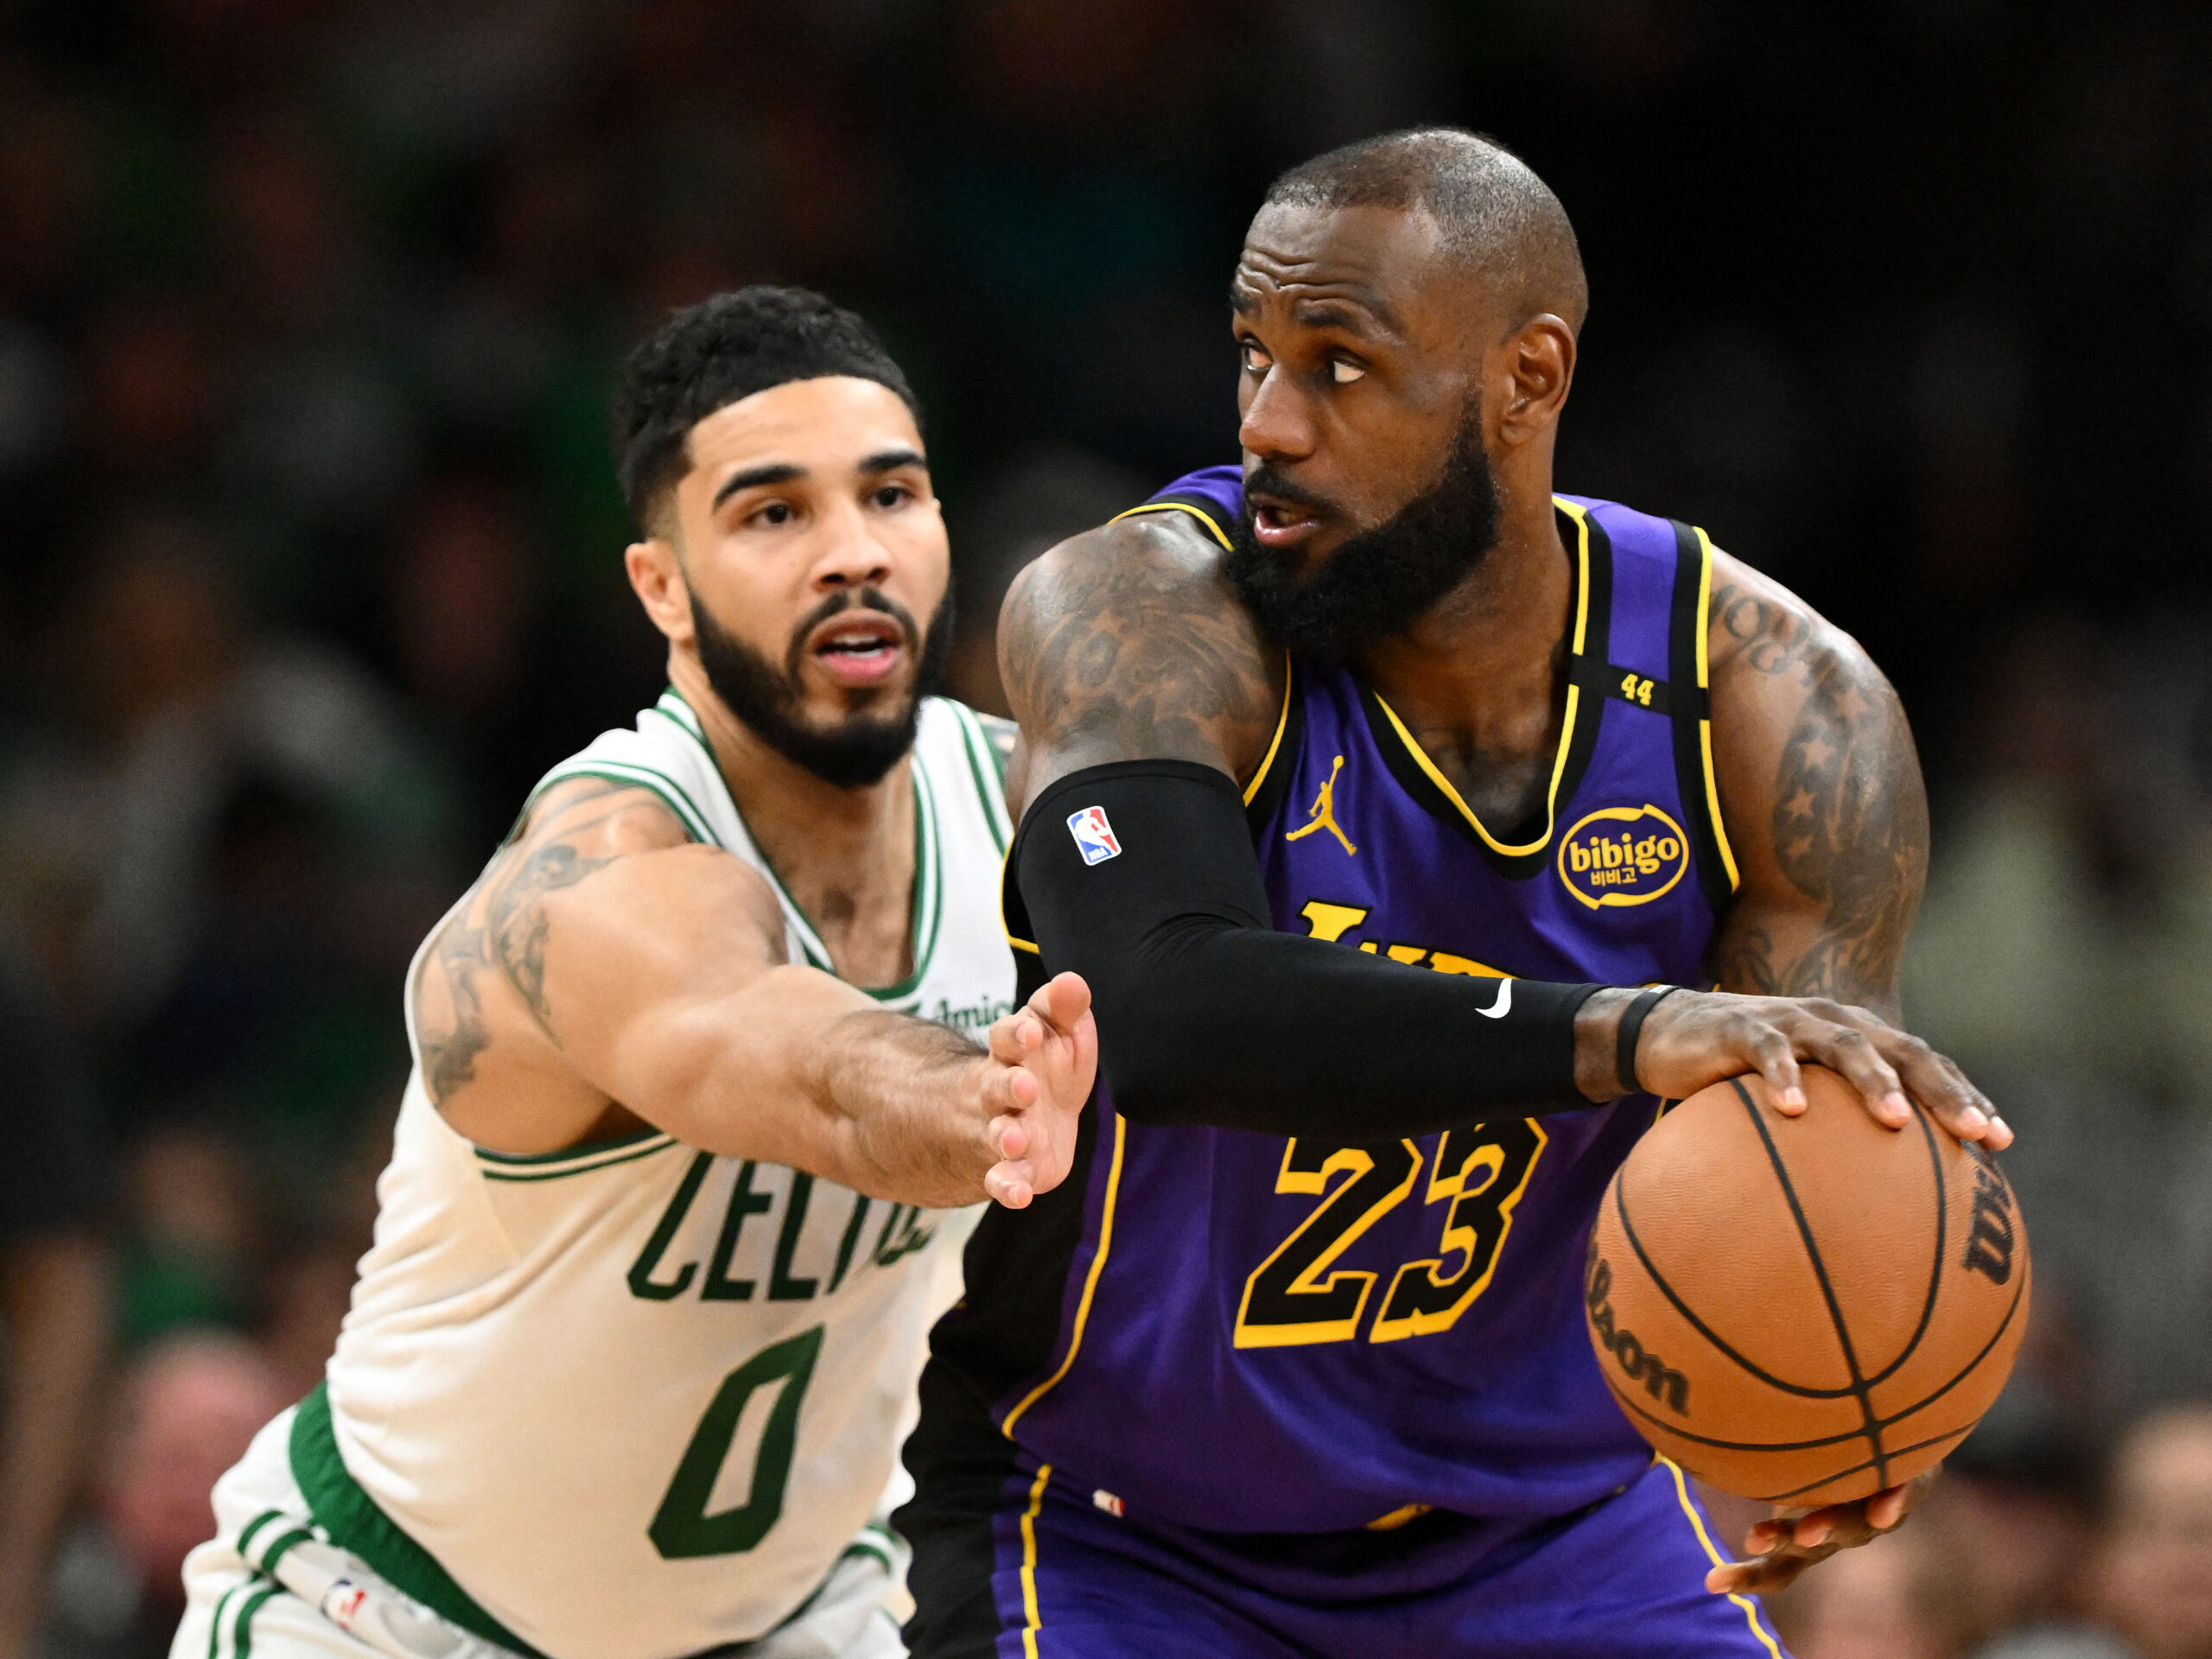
(682, 1528)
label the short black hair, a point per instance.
(711, 354)
(1493, 211)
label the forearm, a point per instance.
(56, 1297)
(906, 1098)
(1206, 1014)
(799, 1068)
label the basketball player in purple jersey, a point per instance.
(1331, 761)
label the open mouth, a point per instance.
(1278, 523)
(858, 650)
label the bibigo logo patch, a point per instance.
(1622, 855)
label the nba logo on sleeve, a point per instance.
(1094, 836)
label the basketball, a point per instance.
(1805, 1310)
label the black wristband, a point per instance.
(1631, 1027)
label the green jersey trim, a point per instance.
(569, 1155)
(576, 1161)
(564, 1172)
(621, 772)
(990, 781)
(353, 1522)
(927, 899)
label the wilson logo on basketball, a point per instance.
(1660, 1381)
(1622, 855)
(1989, 1245)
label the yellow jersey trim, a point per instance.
(1032, 1621)
(1205, 519)
(1005, 858)
(1274, 743)
(1567, 727)
(1697, 1525)
(1705, 725)
(1089, 1285)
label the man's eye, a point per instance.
(890, 495)
(776, 512)
(1255, 359)
(1344, 371)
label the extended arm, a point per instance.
(605, 971)
(1123, 650)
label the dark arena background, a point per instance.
(310, 563)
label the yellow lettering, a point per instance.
(1329, 923)
(1609, 854)
(1407, 954)
(1444, 963)
(1669, 849)
(1579, 856)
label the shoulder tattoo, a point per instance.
(1124, 643)
(503, 927)
(1849, 817)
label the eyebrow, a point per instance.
(1331, 311)
(781, 472)
(1351, 315)
(784, 471)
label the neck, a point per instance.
(845, 855)
(1481, 678)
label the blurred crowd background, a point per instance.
(309, 563)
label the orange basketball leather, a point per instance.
(1805, 1310)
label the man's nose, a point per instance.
(1278, 422)
(850, 555)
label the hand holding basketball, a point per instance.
(1695, 1039)
(1048, 1051)
(1779, 1549)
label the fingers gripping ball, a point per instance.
(1805, 1310)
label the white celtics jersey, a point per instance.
(637, 1400)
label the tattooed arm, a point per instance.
(1822, 795)
(606, 973)
(1126, 644)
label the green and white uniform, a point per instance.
(632, 1401)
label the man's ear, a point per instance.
(656, 577)
(1536, 366)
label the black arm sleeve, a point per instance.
(1206, 1014)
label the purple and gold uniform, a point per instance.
(1233, 1393)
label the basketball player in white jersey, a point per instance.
(698, 1097)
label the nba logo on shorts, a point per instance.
(341, 1603)
(1094, 836)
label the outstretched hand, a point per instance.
(1694, 1038)
(1780, 1547)
(1045, 1059)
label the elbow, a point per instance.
(1150, 1057)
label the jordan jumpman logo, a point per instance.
(1325, 812)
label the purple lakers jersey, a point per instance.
(1240, 1332)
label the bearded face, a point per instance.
(852, 751)
(1381, 581)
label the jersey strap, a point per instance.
(356, 1523)
(1690, 704)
